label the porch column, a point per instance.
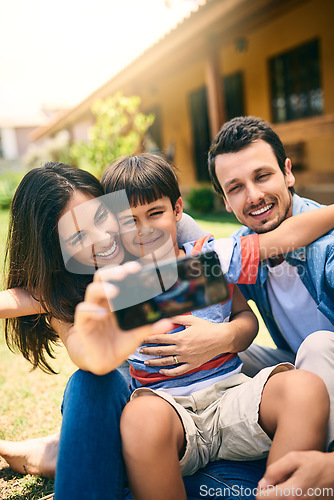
(213, 77)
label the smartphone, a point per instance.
(165, 289)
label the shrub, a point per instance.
(119, 130)
(8, 185)
(201, 199)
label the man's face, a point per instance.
(255, 188)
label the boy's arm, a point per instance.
(296, 232)
(203, 340)
(16, 302)
(243, 322)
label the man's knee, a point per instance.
(316, 346)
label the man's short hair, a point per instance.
(238, 133)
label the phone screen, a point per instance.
(170, 288)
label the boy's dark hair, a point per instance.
(238, 133)
(145, 178)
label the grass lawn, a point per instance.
(30, 401)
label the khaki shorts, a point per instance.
(221, 421)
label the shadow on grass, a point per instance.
(15, 486)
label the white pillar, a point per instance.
(9, 143)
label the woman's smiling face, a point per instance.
(89, 232)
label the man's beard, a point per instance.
(262, 230)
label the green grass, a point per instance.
(29, 404)
(30, 401)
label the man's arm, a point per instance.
(298, 474)
(296, 232)
(188, 230)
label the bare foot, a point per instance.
(32, 456)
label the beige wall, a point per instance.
(79, 131)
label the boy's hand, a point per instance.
(192, 347)
(96, 343)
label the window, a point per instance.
(234, 106)
(234, 95)
(201, 132)
(295, 83)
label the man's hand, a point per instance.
(298, 474)
(192, 347)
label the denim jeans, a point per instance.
(90, 464)
(223, 479)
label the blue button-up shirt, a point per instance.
(315, 265)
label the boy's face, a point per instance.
(149, 231)
(255, 188)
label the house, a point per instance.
(15, 136)
(267, 58)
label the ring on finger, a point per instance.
(176, 361)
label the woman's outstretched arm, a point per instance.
(16, 302)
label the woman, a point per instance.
(36, 259)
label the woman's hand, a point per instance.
(95, 342)
(198, 343)
(298, 474)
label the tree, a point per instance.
(119, 130)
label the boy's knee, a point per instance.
(145, 419)
(297, 384)
(306, 387)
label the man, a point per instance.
(294, 293)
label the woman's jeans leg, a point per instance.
(223, 479)
(90, 464)
(226, 479)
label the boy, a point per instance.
(214, 411)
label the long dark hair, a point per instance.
(35, 260)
